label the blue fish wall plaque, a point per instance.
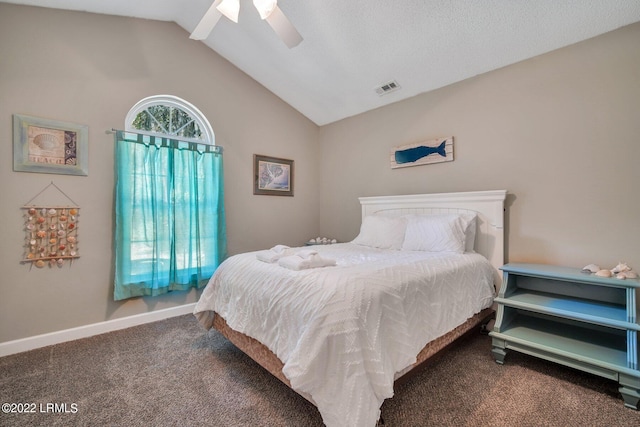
(422, 153)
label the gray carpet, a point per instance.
(173, 373)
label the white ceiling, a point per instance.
(350, 47)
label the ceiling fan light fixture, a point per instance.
(265, 7)
(268, 10)
(230, 9)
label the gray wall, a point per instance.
(560, 131)
(91, 69)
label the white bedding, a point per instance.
(343, 332)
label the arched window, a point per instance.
(170, 115)
(169, 200)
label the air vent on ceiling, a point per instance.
(387, 88)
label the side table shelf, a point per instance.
(576, 319)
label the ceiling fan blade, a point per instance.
(208, 21)
(284, 28)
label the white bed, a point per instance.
(341, 335)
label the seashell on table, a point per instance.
(620, 268)
(604, 273)
(591, 268)
(630, 274)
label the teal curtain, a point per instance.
(170, 231)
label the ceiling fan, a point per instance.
(268, 10)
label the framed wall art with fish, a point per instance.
(423, 153)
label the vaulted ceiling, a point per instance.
(352, 47)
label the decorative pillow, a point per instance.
(384, 232)
(439, 232)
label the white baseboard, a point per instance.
(30, 343)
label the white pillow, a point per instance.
(384, 232)
(470, 234)
(439, 233)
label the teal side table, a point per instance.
(572, 318)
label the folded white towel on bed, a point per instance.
(274, 254)
(304, 259)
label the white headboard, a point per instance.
(489, 206)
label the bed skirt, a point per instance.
(269, 361)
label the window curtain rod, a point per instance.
(164, 141)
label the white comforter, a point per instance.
(343, 332)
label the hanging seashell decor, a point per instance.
(51, 233)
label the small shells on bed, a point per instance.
(322, 241)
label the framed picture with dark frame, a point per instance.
(49, 146)
(272, 176)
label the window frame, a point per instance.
(175, 102)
